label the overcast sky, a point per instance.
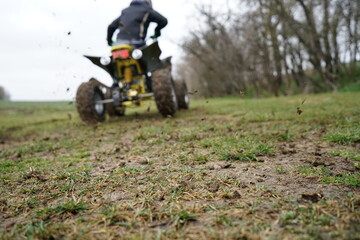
(42, 42)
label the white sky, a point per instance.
(40, 61)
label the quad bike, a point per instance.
(139, 75)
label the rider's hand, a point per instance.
(110, 42)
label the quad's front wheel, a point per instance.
(164, 91)
(182, 94)
(89, 103)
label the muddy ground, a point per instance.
(221, 170)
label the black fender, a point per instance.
(97, 61)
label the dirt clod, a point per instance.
(213, 187)
(313, 197)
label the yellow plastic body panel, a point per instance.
(128, 75)
(124, 69)
(123, 66)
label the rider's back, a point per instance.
(134, 22)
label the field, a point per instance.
(231, 168)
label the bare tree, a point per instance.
(3, 94)
(276, 46)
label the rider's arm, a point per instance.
(111, 29)
(159, 19)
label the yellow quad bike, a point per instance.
(138, 75)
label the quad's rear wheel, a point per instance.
(164, 91)
(88, 103)
(182, 94)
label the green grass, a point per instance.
(353, 87)
(348, 136)
(346, 154)
(237, 148)
(326, 176)
(227, 168)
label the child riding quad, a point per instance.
(138, 73)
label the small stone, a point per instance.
(144, 162)
(211, 167)
(217, 166)
(226, 165)
(213, 187)
(161, 197)
(260, 180)
(113, 197)
(236, 194)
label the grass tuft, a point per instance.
(344, 137)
